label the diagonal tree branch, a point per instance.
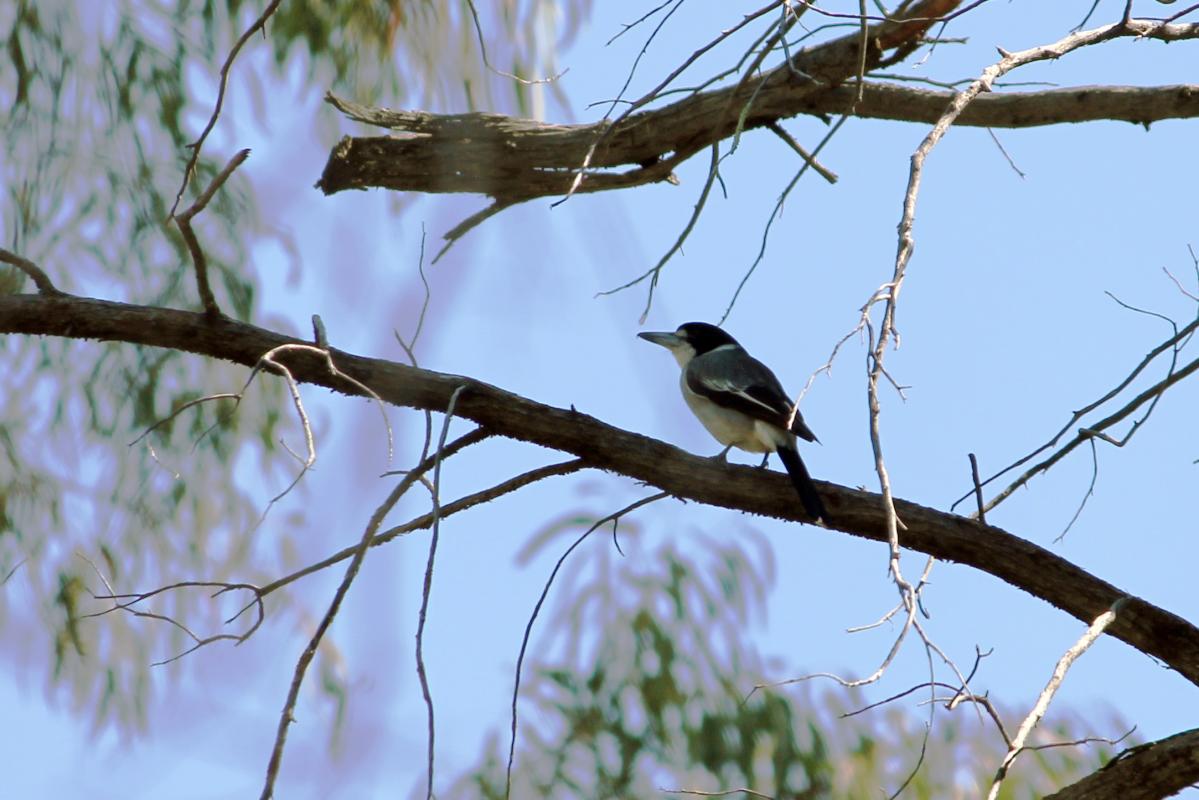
(1022, 564)
(1158, 769)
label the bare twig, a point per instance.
(890, 298)
(978, 489)
(887, 332)
(474, 13)
(1174, 344)
(199, 260)
(1177, 283)
(721, 793)
(266, 361)
(1082, 741)
(127, 602)
(524, 643)
(269, 361)
(1150, 395)
(409, 347)
(821, 170)
(916, 766)
(777, 38)
(258, 25)
(40, 279)
(427, 587)
(625, 27)
(1011, 163)
(654, 272)
(1180, 14)
(848, 683)
(8, 575)
(234, 396)
(655, 92)
(359, 554)
(863, 46)
(1087, 18)
(426, 520)
(1090, 487)
(895, 609)
(462, 228)
(1055, 681)
(776, 213)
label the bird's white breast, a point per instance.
(731, 427)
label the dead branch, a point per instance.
(513, 160)
(1016, 746)
(946, 536)
(130, 601)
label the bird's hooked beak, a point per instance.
(679, 347)
(670, 341)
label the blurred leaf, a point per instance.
(657, 698)
(101, 101)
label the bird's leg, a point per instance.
(723, 455)
(765, 458)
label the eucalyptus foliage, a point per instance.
(101, 104)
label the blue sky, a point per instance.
(1006, 329)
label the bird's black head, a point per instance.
(690, 340)
(703, 337)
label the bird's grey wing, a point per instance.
(734, 380)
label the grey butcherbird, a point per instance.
(740, 401)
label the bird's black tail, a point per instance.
(803, 483)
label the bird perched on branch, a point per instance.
(740, 401)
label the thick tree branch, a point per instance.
(513, 160)
(1158, 769)
(1039, 572)
(461, 155)
(1137, 104)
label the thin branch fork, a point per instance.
(196, 146)
(183, 220)
(129, 603)
(1096, 430)
(946, 536)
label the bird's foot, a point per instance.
(723, 455)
